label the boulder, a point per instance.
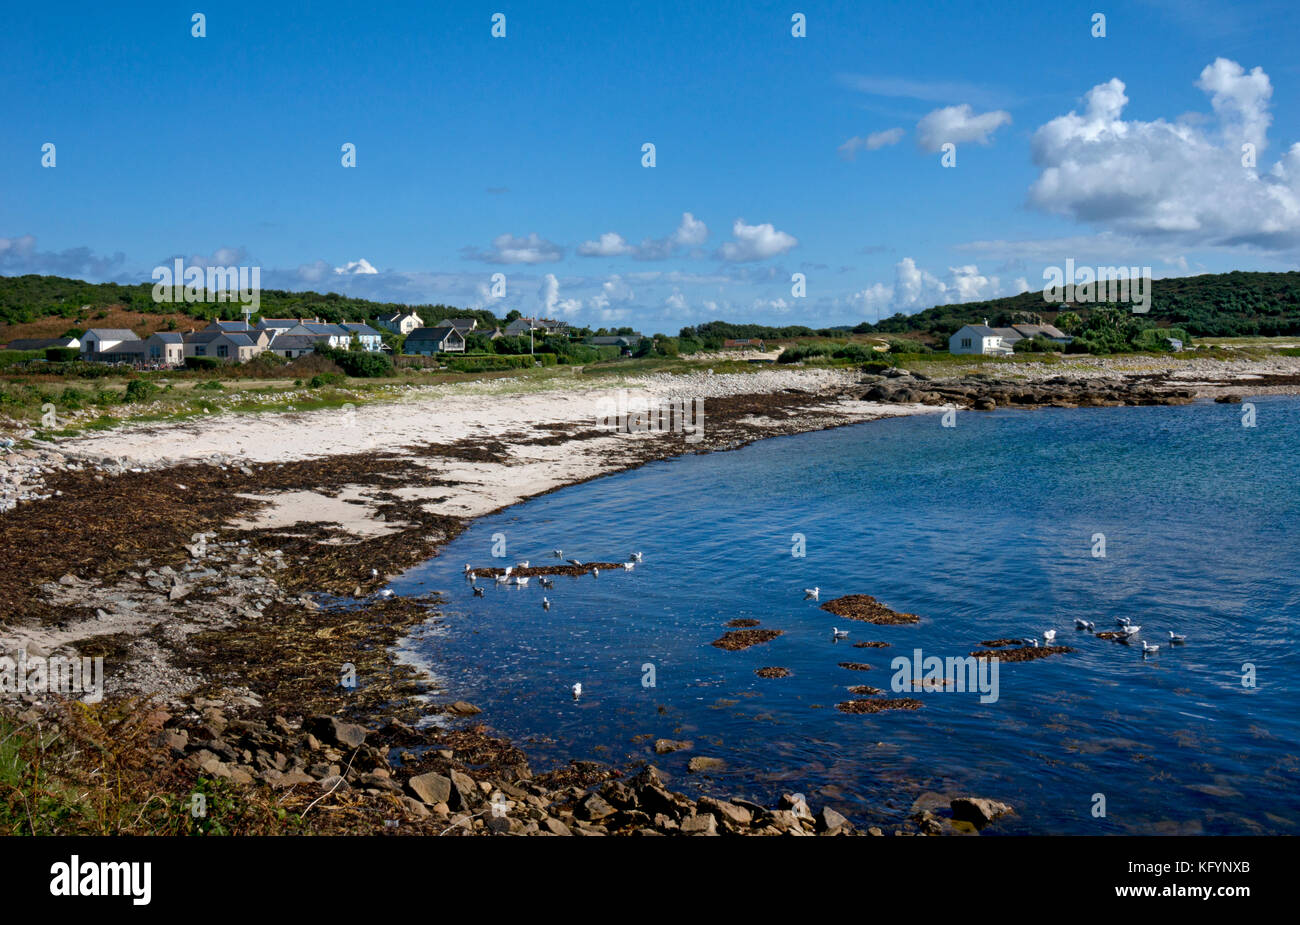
(332, 731)
(978, 810)
(432, 788)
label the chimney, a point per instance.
(986, 322)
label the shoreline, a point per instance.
(277, 529)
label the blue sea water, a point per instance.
(985, 530)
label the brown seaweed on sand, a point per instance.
(1023, 654)
(735, 640)
(878, 705)
(867, 609)
(772, 672)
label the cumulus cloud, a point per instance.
(611, 291)
(610, 244)
(1186, 182)
(873, 142)
(508, 249)
(755, 242)
(958, 125)
(360, 267)
(690, 233)
(915, 288)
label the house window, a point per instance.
(965, 341)
(155, 352)
(200, 351)
(223, 350)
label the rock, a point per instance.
(729, 813)
(415, 807)
(797, 805)
(978, 810)
(432, 788)
(665, 746)
(594, 808)
(700, 824)
(555, 826)
(463, 708)
(332, 731)
(830, 822)
(465, 793)
(1229, 399)
(700, 764)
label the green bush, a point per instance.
(359, 363)
(202, 362)
(11, 357)
(138, 390)
(211, 385)
(62, 354)
(324, 379)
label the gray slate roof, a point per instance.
(114, 333)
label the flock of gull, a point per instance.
(1127, 632)
(521, 581)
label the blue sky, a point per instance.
(775, 155)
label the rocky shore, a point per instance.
(237, 629)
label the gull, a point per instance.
(577, 691)
(1084, 624)
(547, 582)
(636, 557)
(472, 577)
(467, 568)
(1148, 648)
(502, 579)
(523, 564)
(837, 633)
(628, 566)
(1122, 621)
(374, 573)
(1049, 636)
(1176, 637)
(387, 592)
(558, 553)
(546, 603)
(509, 569)
(810, 594)
(1032, 642)
(522, 582)
(595, 573)
(478, 592)
(577, 562)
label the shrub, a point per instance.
(324, 379)
(62, 354)
(359, 363)
(202, 362)
(138, 390)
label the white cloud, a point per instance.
(360, 267)
(610, 244)
(755, 242)
(958, 125)
(612, 290)
(916, 288)
(873, 142)
(1183, 183)
(691, 232)
(507, 248)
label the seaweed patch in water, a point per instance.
(878, 705)
(867, 609)
(734, 640)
